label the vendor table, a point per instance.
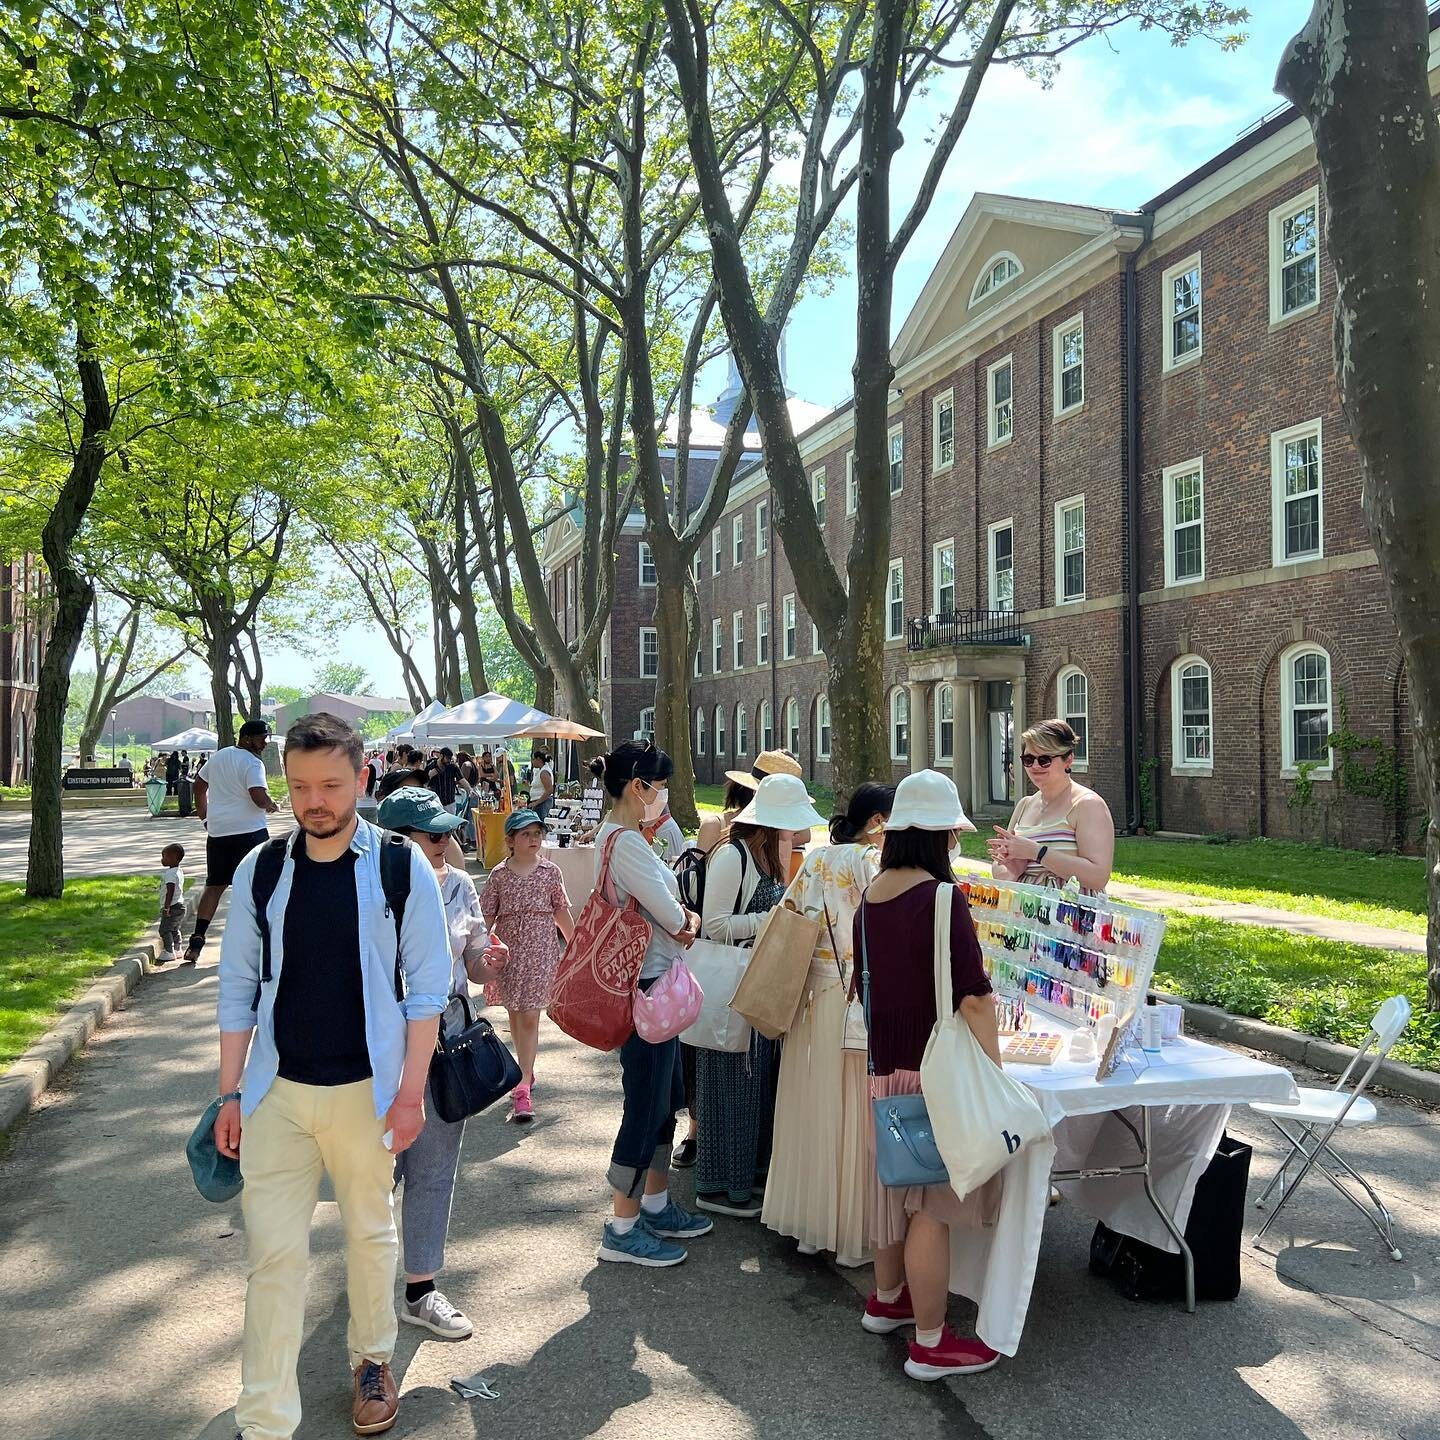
(1128, 1149)
(577, 865)
(490, 827)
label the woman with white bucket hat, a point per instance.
(735, 1093)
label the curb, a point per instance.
(35, 1070)
(1327, 1056)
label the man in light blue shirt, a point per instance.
(324, 1054)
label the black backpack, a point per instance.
(394, 881)
(690, 866)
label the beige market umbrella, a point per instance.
(556, 729)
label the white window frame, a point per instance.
(767, 726)
(817, 495)
(742, 731)
(1306, 200)
(822, 727)
(993, 575)
(852, 491)
(1278, 441)
(1082, 762)
(789, 634)
(715, 553)
(943, 755)
(1179, 765)
(815, 648)
(697, 566)
(1168, 476)
(647, 731)
(1074, 323)
(892, 631)
(1061, 506)
(994, 438)
(1289, 767)
(899, 697)
(605, 654)
(719, 729)
(938, 459)
(762, 634)
(569, 587)
(655, 673)
(792, 725)
(699, 662)
(1167, 312)
(737, 639)
(935, 587)
(699, 732)
(717, 645)
(737, 541)
(895, 432)
(647, 562)
(762, 527)
(986, 285)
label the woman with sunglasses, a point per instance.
(1063, 831)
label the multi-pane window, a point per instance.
(899, 723)
(792, 727)
(817, 492)
(647, 723)
(1075, 711)
(895, 601)
(604, 654)
(815, 639)
(647, 563)
(762, 634)
(717, 646)
(742, 731)
(737, 638)
(719, 730)
(943, 431)
(699, 732)
(649, 653)
(787, 627)
(945, 723)
(822, 727)
(1184, 522)
(945, 578)
(1297, 484)
(1001, 386)
(897, 459)
(715, 552)
(737, 540)
(767, 726)
(1181, 299)
(699, 661)
(1305, 674)
(1295, 256)
(997, 272)
(1070, 366)
(1194, 731)
(762, 527)
(1002, 565)
(1070, 550)
(852, 492)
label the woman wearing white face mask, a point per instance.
(819, 1187)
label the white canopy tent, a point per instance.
(406, 730)
(486, 718)
(192, 739)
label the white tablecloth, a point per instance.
(577, 865)
(1189, 1087)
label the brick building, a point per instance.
(1123, 492)
(24, 586)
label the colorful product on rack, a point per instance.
(1010, 1016)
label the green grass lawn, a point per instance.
(1321, 987)
(52, 947)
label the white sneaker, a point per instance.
(433, 1312)
(805, 1248)
(165, 957)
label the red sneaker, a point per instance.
(952, 1356)
(523, 1111)
(882, 1317)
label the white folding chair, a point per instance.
(1321, 1113)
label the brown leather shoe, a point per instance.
(376, 1400)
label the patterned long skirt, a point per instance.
(735, 1107)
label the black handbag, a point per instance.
(472, 1067)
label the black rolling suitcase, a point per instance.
(1217, 1218)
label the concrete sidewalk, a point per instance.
(122, 1293)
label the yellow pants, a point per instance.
(296, 1132)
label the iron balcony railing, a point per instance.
(965, 627)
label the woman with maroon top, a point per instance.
(895, 935)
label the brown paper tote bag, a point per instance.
(770, 989)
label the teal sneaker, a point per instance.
(638, 1246)
(679, 1224)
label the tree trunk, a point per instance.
(1358, 72)
(74, 595)
(217, 648)
(545, 691)
(469, 629)
(672, 685)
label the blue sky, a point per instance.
(1125, 118)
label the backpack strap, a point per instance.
(744, 850)
(395, 882)
(263, 880)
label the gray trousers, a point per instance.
(428, 1170)
(170, 927)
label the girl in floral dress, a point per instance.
(524, 903)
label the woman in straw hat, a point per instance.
(735, 1093)
(740, 788)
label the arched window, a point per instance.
(647, 723)
(899, 723)
(1192, 728)
(699, 732)
(1073, 693)
(999, 270)
(742, 731)
(767, 726)
(792, 727)
(945, 723)
(1305, 705)
(719, 729)
(822, 727)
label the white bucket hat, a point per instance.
(781, 803)
(928, 800)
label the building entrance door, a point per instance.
(1000, 732)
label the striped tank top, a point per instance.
(1059, 835)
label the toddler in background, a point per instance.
(172, 901)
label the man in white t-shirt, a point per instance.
(232, 799)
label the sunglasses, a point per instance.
(1042, 762)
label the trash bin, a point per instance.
(187, 796)
(155, 795)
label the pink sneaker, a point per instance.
(882, 1317)
(952, 1356)
(524, 1111)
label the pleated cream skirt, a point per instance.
(818, 1190)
